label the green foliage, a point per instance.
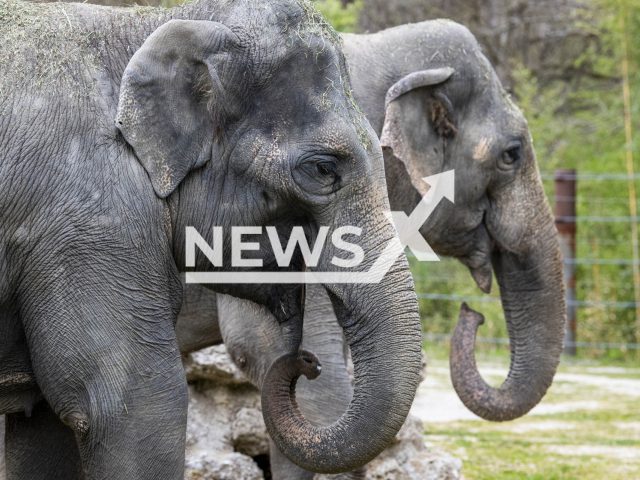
(343, 19)
(580, 124)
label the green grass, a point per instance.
(577, 445)
(602, 442)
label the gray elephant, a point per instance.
(437, 103)
(226, 114)
(444, 109)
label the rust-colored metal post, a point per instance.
(565, 211)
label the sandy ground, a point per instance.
(575, 389)
(437, 401)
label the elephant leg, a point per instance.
(106, 358)
(3, 472)
(40, 447)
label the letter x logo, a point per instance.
(408, 227)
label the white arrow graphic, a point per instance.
(442, 186)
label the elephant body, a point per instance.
(457, 117)
(465, 122)
(122, 131)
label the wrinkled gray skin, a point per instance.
(238, 119)
(500, 220)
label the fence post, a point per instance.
(565, 211)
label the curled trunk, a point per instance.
(385, 342)
(532, 295)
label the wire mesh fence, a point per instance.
(605, 301)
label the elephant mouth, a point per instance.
(478, 260)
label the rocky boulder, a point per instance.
(226, 430)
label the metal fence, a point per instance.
(565, 197)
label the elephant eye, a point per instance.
(512, 154)
(326, 168)
(319, 175)
(328, 174)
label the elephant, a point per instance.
(437, 104)
(124, 133)
(501, 219)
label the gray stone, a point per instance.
(225, 417)
(224, 466)
(250, 433)
(213, 409)
(407, 458)
(213, 364)
(430, 465)
(385, 469)
(220, 397)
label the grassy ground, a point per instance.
(586, 428)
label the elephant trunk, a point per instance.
(532, 293)
(382, 327)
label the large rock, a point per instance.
(225, 417)
(213, 364)
(224, 466)
(250, 433)
(407, 458)
(225, 427)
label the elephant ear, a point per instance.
(418, 122)
(172, 105)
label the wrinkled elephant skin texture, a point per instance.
(501, 221)
(120, 128)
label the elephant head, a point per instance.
(250, 123)
(444, 109)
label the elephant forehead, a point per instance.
(319, 92)
(335, 133)
(45, 45)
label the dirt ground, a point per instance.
(437, 401)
